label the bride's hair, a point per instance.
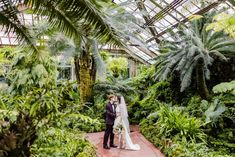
(119, 99)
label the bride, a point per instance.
(121, 126)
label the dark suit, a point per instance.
(110, 116)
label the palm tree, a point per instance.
(87, 61)
(192, 50)
(85, 51)
(87, 23)
(62, 15)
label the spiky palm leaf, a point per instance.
(127, 26)
(196, 47)
(100, 65)
(62, 15)
(65, 14)
(11, 23)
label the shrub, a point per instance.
(168, 125)
(55, 142)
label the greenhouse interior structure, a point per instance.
(117, 78)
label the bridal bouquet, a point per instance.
(118, 129)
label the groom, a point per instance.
(110, 115)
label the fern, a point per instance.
(224, 87)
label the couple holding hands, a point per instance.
(116, 119)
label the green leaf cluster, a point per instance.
(57, 142)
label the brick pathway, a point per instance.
(147, 148)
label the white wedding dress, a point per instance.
(122, 119)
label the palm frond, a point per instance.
(225, 43)
(186, 79)
(56, 16)
(101, 67)
(11, 23)
(59, 44)
(65, 14)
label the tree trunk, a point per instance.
(93, 76)
(77, 68)
(93, 70)
(201, 82)
(85, 63)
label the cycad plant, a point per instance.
(192, 52)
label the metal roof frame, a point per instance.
(160, 16)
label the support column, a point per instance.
(132, 66)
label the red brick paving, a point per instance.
(147, 148)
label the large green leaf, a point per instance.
(224, 87)
(214, 111)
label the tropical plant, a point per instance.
(188, 149)
(225, 87)
(214, 111)
(226, 90)
(118, 66)
(23, 116)
(30, 110)
(195, 107)
(173, 131)
(7, 54)
(113, 85)
(62, 14)
(26, 73)
(144, 79)
(171, 123)
(88, 23)
(223, 22)
(6, 57)
(154, 96)
(173, 143)
(57, 142)
(174, 122)
(192, 52)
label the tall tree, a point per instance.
(87, 61)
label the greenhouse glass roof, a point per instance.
(157, 15)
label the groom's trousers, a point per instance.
(108, 132)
